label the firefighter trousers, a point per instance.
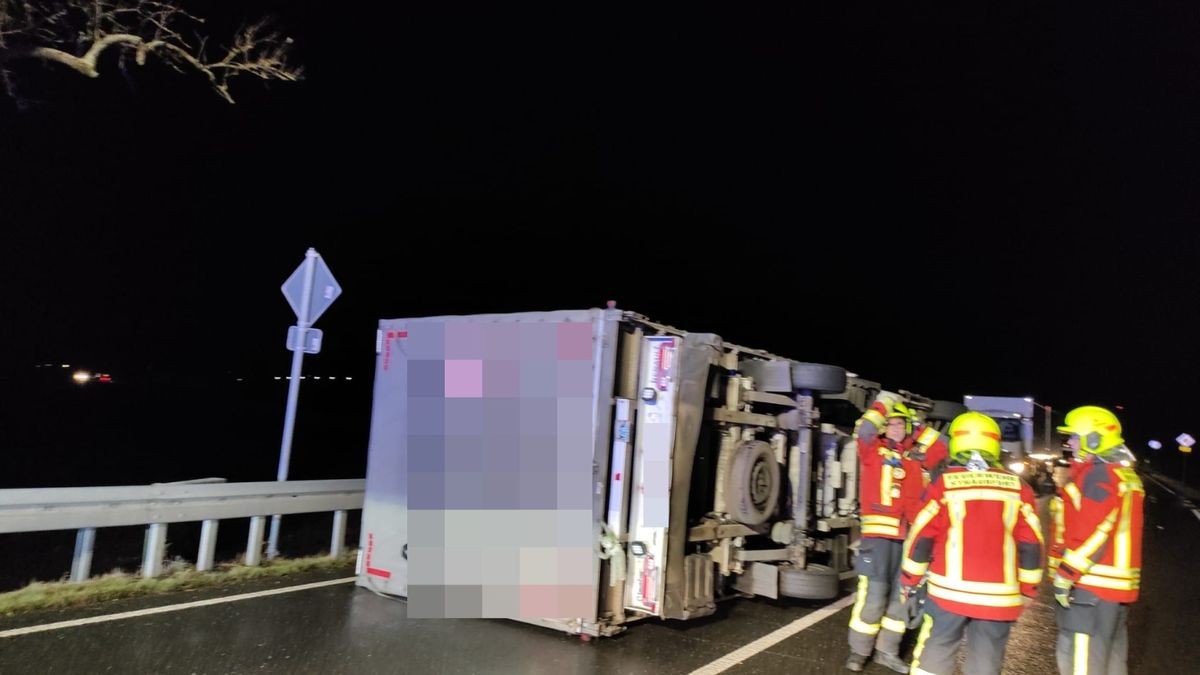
(937, 643)
(878, 619)
(1092, 636)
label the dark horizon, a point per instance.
(987, 201)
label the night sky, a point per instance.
(991, 199)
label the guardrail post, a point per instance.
(338, 541)
(154, 551)
(81, 564)
(208, 545)
(254, 542)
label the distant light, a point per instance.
(1028, 399)
(304, 377)
(280, 378)
(81, 376)
(66, 365)
(106, 378)
(349, 378)
(1017, 467)
(288, 377)
(1155, 445)
(316, 377)
(239, 379)
(968, 396)
(1119, 407)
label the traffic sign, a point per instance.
(325, 290)
(312, 339)
(310, 291)
(1185, 439)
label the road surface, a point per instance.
(340, 628)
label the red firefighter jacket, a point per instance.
(890, 482)
(1097, 531)
(978, 539)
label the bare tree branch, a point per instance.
(77, 33)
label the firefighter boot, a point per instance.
(891, 661)
(856, 662)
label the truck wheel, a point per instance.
(815, 582)
(946, 411)
(753, 483)
(819, 377)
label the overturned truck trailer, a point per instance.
(685, 468)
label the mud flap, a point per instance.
(759, 579)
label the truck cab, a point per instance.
(1014, 415)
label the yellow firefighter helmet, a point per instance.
(1098, 429)
(905, 413)
(975, 432)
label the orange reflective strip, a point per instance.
(986, 434)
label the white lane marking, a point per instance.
(1196, 512)
(770, 639)
(14, 632)
(1161, 484)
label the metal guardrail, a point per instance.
(88, 508)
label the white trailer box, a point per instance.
(582, 469)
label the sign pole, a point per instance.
(1186, 442)
(293, 397)
(1047, 410)
(309, 290)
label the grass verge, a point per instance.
(178, 576)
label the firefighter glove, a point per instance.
(1062, 590)
(908, 585)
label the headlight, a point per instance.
(1017, 467)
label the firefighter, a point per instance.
(922, 443)
(889, 489)
(1096, 553)
(977, 544)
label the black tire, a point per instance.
(819, 377)
(754, 483)
(816, 582)
(946, 411)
